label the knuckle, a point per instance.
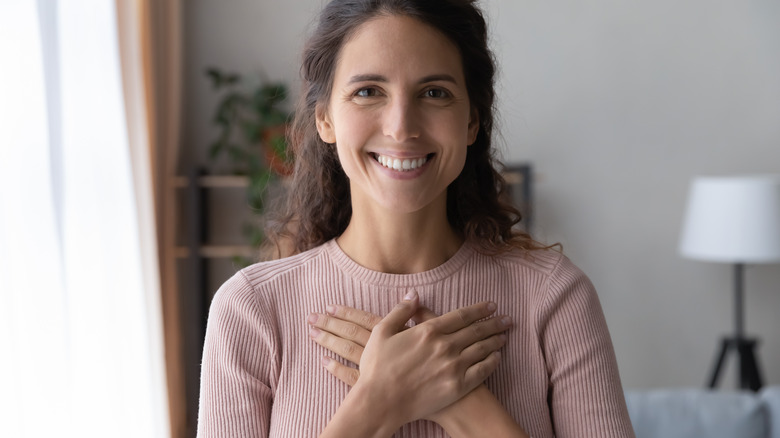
(463, 315)
(347, 349)
(351, 331)
(428, 331)
(478, 330)
(482, 370)
(327, 342)
(368, 321)
(352, 376)
(442, 349)
(453, 385)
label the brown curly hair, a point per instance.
(317, 207)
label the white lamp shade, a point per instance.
(733, 219)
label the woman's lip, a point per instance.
(402, 154)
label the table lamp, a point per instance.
(734, 220)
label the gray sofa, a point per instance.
(699, 413)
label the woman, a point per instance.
(395, 211)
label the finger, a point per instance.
(478, 351)
(344, 348)
(344, 373)
(365, 320)
(397, 318)
(481, 330)
(463, 317)
(477, 373)
(423, 314)
(343, 329)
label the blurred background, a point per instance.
(615, 106)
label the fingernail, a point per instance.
(491, 307)
(507, 321)
(314, 332)
(330, 309)
(312, 319)
(410, 296)
(325, 361)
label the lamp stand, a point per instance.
(749, 376)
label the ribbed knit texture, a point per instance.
(262, 376)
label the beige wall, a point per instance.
(617, 104)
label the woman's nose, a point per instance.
(401, 120)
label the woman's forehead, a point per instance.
(398, 46)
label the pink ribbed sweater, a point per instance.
(262, 376)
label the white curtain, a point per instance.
(81, 351)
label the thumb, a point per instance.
(394, 321)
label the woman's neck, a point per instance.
(400, 243)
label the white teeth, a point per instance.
(401, 165)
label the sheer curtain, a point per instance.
(80, 316)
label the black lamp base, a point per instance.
(749, 376)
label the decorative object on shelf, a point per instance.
(519, 191)
(252, 127)
(734, 220)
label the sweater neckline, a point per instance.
(366, 275)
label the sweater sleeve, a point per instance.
(239, 362)
(585, 394)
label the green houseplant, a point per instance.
(252, 124)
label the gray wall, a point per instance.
(617, 104)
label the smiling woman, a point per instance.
(395, 215)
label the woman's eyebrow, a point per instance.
(379, 78)
(366, 78)
(439, 77)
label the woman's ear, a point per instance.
(324, 125)
(473, 126)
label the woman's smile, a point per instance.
(401, 164)
(402, 167)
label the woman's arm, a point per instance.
(586, 396)
(238, 359)
(346, 331)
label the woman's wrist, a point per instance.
(363, 413)
(477, 414)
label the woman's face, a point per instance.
(399, 114)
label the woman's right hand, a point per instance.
(414, 373)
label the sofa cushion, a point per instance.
(771, 397)
(689, 413)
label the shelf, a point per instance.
(218, 251)
(214, 181)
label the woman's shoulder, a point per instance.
(545, 261)
(263, 272)
(245, 283)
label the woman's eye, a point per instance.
(436, 93)
(366, 92)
